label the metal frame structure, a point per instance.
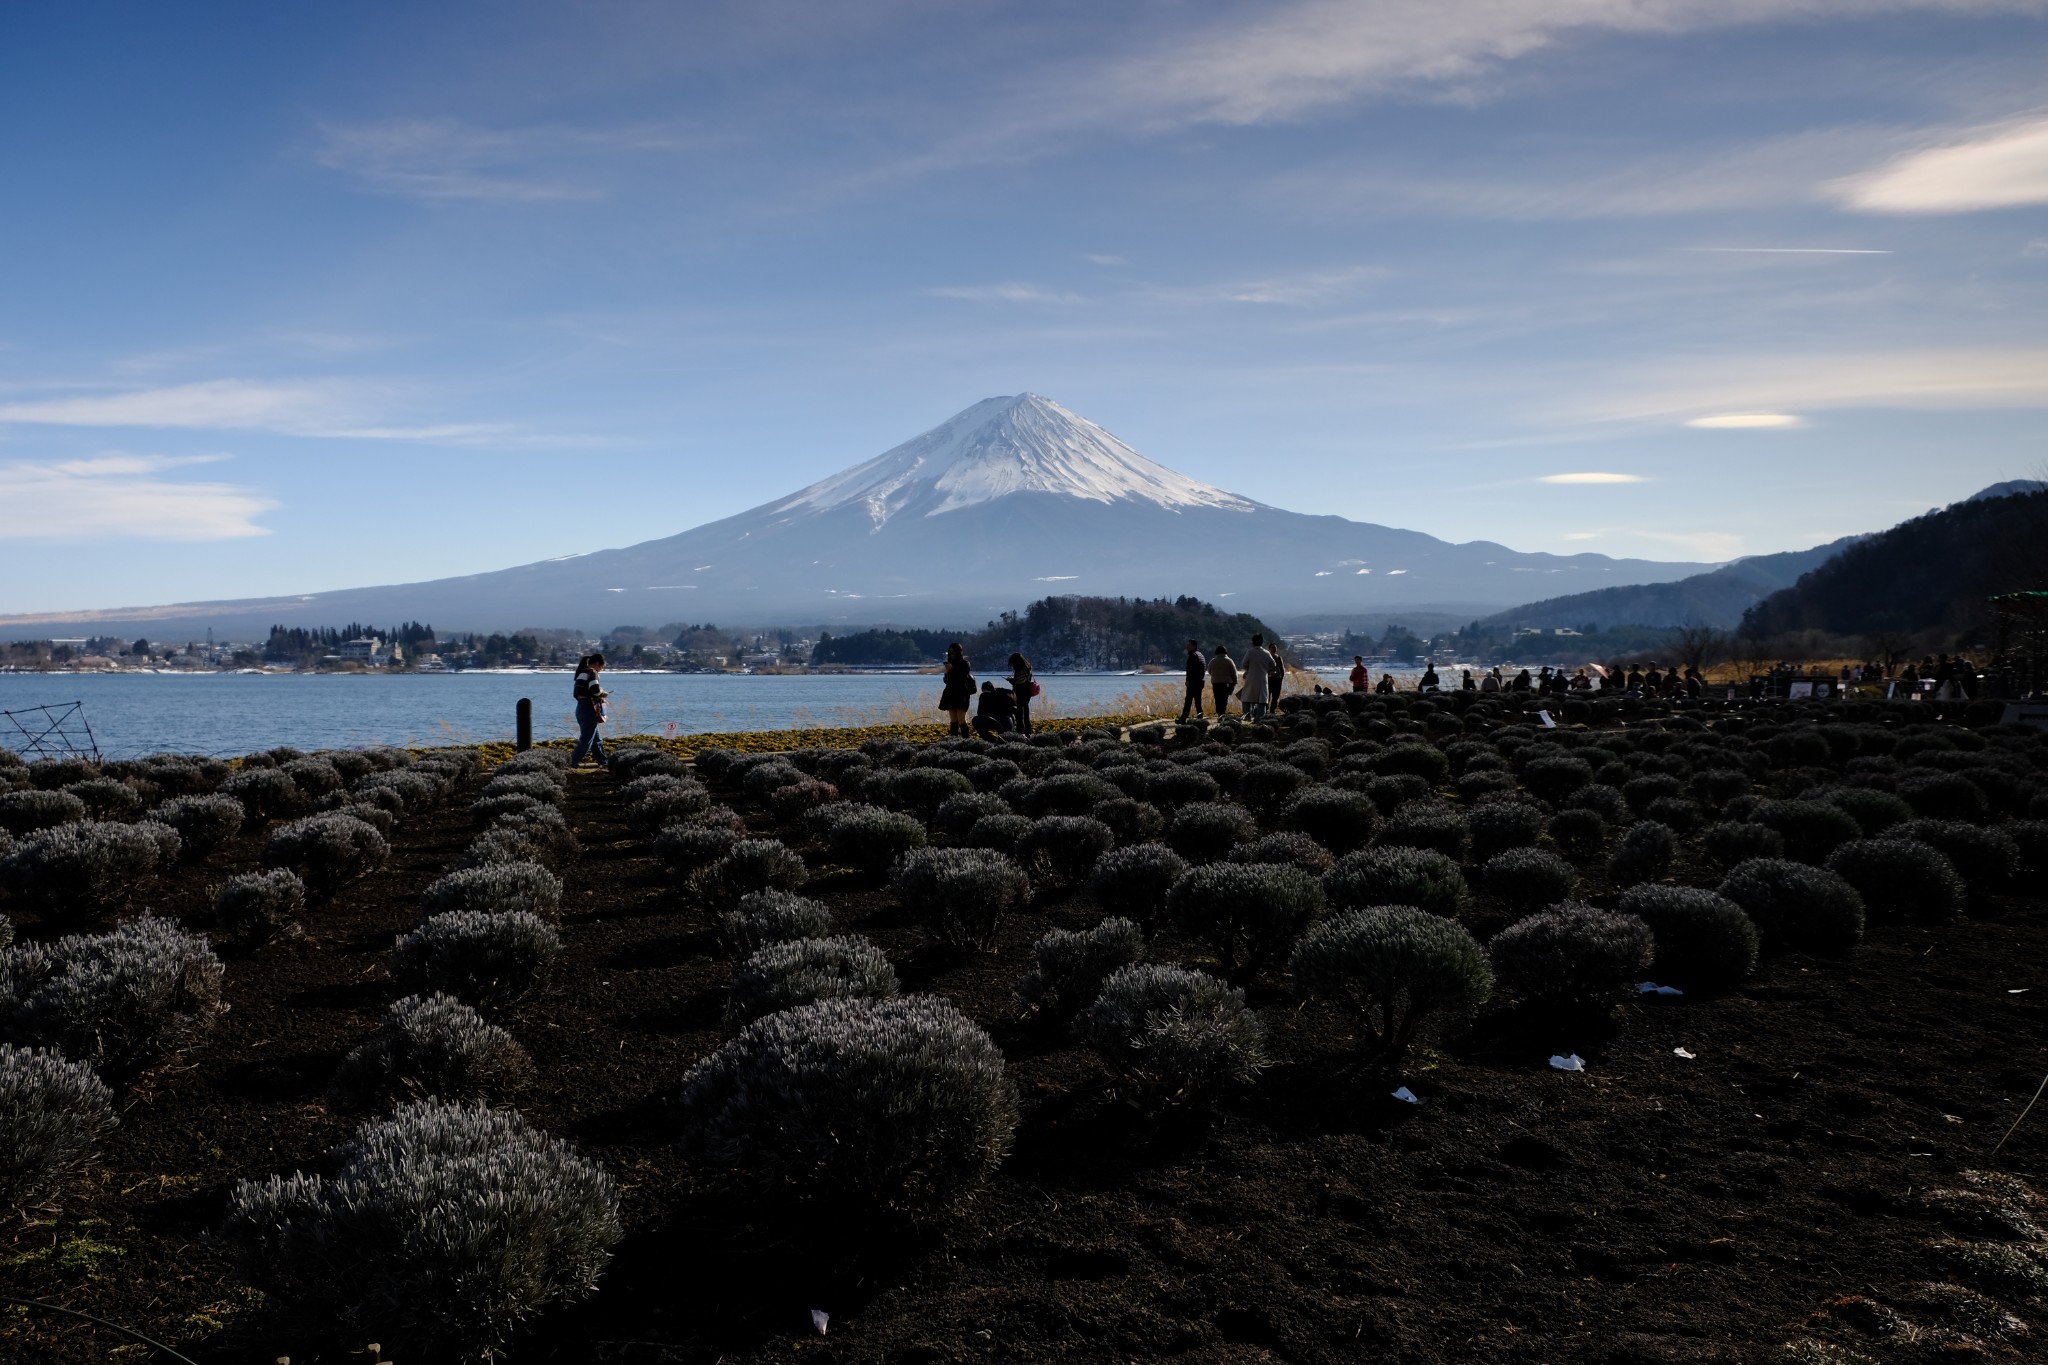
(53, 731)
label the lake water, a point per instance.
(238, 713)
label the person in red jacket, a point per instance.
(1359, 676)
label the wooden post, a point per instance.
(525, 723)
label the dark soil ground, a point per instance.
(1771, 1189)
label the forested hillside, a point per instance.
(1063, 632)
(1933, 572)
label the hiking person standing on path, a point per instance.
(1222, 680)
(1258, 672)
(1024, 689)
(589, 711)
(1198, 679)
(958, 692)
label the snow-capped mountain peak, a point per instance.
(1018, 444)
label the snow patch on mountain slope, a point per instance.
(1018, 444)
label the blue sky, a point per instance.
(295, 298)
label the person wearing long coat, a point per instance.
(957, 691)
(1258, 674)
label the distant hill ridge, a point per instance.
(1935, 572)
(1716, 598)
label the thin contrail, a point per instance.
(1795, 250)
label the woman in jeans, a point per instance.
(589, 711)
(1021, 684)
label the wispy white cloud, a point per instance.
(320, 408)
(1961, 378)
(1747, 421)
(124, 496)
(2001, 166)
(1286, 62)
(1099, 258)
(1793, 250)
(1009, 292)
(1568, 184)
(1591, 476)
(425, 158)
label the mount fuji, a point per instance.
(1013, 499)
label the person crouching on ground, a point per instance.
(1197, 680)
(957, 692)
(1222, 680)
(994, 710)
(590, 699)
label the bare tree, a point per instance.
(1698, 644)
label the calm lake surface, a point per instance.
(238, 713)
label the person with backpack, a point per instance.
(1023, 687)
(1197, 682)
(590, 698)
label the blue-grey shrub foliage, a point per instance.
(53, 1115)
(1069, 968)
(482, 959)
(1572, 956)
(443, 1229)
(765, 917)
(1061, 850)
(1902, 881)
(962, 894)
(1134, 882)
(259, 906)
(1704, 940)
(1397, 876)
(118, 1001)
(1172, 1036)
(431, 1046)
(328, 851)
(1248, 913)
(25, 812)
(883, 1106)
(1796, 907)
(1396, 969)
(205, 823)
(801, 971)
(76, 872)
(1525, 879)
(496, 887)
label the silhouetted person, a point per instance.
(957, 692)
(1276, 675)
(590, 698)
(994, 710)
(1023, 687)
(1197, 681)
(1359, 675)
(1222, 680)
(1258, 673)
